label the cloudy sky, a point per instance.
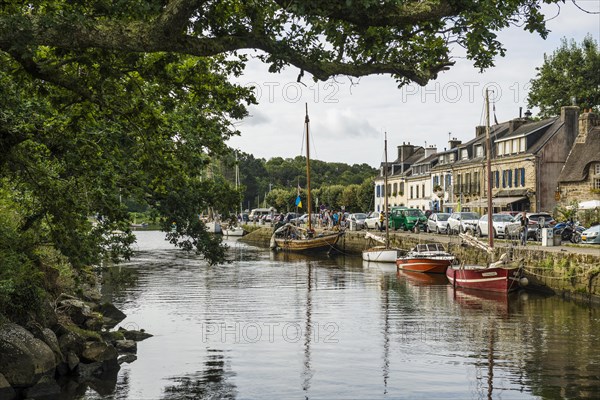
(348, 121)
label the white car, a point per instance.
(499, 223)
(358, 219)
(591, 235)
(372, 220)
(438, 222)
(460, 222)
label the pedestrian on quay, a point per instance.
(524, 226)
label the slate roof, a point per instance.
(531, 127)
(576, 167)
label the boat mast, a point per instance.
(237, 180)
(489, 170)
(306, 121)
(385, 198)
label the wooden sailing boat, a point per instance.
(501, 276)
(382, 253)
(293, 238)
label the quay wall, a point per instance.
(568, 272)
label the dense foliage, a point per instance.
(104, 104)
(275, 182)
(572, 72)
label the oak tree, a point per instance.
(569, 75)
(105, 100)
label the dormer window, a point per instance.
(479, 151)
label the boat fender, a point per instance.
(523, 281)
(273, 243)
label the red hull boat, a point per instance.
(429, 258)
(494, 279)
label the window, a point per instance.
(417, 191)
(402, 187)
(378, 191)
(411, 192)
(497, 179)
(503, 179)
(395, 189)
(468, 182)
(452, 156)
(479, 151)
(510, 177)
(596, 184)
(441, 159)
(464, 154)
(509, 146)
(448, 180)
(423, 190)
(517, 177)
(523, 144)
(523, 177)
(597, 169)
(389, 189)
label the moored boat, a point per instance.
(384, 253)
(502, 276)
(426, 257)
(293, 238)
(234, 231)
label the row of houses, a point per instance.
(536, 165)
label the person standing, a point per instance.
(524, 226)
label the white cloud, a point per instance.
(348, 121)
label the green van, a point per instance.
(406, 218)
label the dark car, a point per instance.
(536, 222)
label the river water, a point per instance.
(284, 326)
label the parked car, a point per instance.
(591, 235)
(372, 220)
(511, 213)
(533, 228)
(406, 218)
(358, 219)
(499, 223)
(303, 219)
(460, 222)
(438, 222)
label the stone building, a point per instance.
(527, 159)
(397, 173)
(441, 176)
(419, 188)
(579, 179)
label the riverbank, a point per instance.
(569, 271)
(71, 348)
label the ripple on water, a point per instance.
(273, 325)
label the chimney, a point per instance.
(587, 121)
(569, 116)
(453, 143)
(515, 124)
(479, 130)
(405, 150)
(430, 151)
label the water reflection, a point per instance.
(212, 382)
(308, 331)
(284, 325)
